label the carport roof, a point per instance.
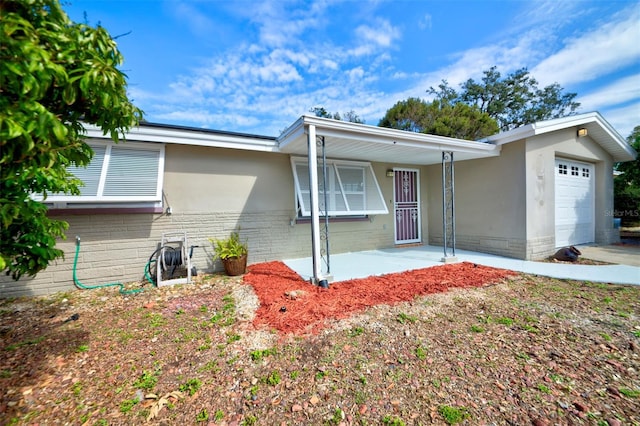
(597, 127)
(354, 141)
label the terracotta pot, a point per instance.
(235, 265)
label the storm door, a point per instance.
(406, 206)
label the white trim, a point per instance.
(597, 127)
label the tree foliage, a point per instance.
(626, 198)
(55, 75)
(349, 116)
(513, 101)
(440, 117)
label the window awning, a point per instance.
(361, 142)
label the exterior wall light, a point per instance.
(582, 132)
(389, 173)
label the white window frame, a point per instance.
(101, 200)
(339, 191)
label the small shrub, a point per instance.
(477, 329)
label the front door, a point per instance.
(406, 206)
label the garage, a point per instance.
(574, 202)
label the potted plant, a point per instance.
(232, 252)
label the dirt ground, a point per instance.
(519, 350)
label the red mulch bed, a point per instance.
(291, 305)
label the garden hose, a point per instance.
(92, 287)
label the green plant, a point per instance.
(273, 378)
(356, 331)
(202, 416)
(338, 416)
(294, 374)
(258, 354)
(505, 321)
(630, 392)
(127, 405)
(191, 386)
(637, 333)
(477, 329)
(82, 348)
(544, 388)
(453, 415)
(218, 415)
(421, 352)
(404, 318)
(392, 421)
(229, 247)
(147, 381)
(249, 421)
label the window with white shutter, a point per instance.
(351, 189)
(125, 175)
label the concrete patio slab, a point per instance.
(364, 264)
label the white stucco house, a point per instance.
(521, 194)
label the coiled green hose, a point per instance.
(92, 287)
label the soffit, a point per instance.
(352, 141)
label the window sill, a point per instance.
(337, 219)
(105, 210)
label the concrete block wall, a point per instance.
(493, 245)
(116, 247)
(540, 248)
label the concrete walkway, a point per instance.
(364, 264)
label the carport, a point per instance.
(319, 139)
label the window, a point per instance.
(127, 174)
(574, 171)
(352, 189)
(585, 172)
(562, 169)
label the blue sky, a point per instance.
(257, 66)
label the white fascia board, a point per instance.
(182, 136)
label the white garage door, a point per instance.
(575, 202)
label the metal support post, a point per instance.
(448, 209)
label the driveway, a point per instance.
(623, 254)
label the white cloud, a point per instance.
(618, 92)
(624, 119)
(612, 46)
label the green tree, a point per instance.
(626, 186)
(440, 117)
(55, 75)
(349, 116)
(512, 101)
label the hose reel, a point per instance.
(173, 262)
